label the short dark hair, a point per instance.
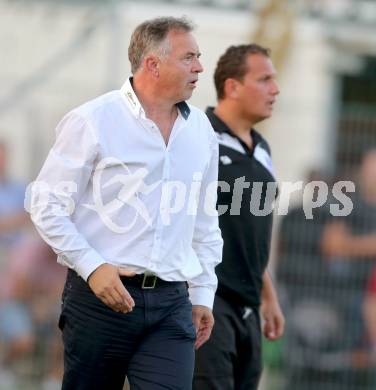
(150, 34)
(232, 64)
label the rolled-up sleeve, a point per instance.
(63, 179)
(207, 239)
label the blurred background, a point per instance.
(58, 54)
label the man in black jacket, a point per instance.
(246, 91)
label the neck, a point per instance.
(232, 117)
(230, 114)
(151, 99)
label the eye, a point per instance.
(189, 57)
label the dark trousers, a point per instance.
(153, 345)
(231, 359)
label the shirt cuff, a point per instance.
(88, 264)
(203, 296)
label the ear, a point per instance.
(151, 64)
(231, 88)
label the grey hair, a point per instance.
(150, 36)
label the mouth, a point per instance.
(193, 83)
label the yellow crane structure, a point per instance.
(275, 24)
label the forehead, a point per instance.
(258, 64)
(182, 41)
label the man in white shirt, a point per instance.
(126, 198)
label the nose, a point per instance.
(197, 67)
(275, 88)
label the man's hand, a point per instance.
(271, 312)
(203, 320)
(107, 286)
(335, 240)
(274, 321)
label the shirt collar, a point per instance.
(220, 127)
(134, 104)
(131, 98)
(184, 109)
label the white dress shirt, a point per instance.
(112, 191)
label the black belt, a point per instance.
(146, 281)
